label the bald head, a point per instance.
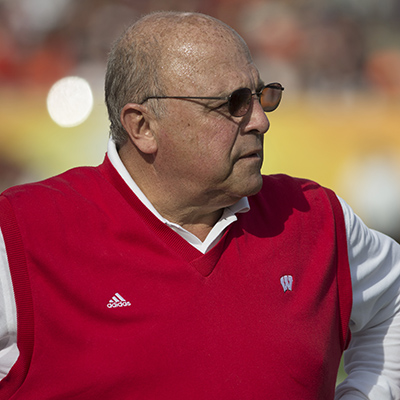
(187, 40)
(161, 52)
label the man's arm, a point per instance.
(8, 315)
(372, 360)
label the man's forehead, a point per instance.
(199, 56)
(210, 76)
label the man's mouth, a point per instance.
(254, 154)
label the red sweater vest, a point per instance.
(112, 304)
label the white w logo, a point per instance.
(287, 282)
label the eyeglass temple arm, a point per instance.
(187, 97)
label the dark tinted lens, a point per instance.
(239, 102)
(271, 96)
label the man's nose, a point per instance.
(258, 118)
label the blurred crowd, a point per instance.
(308, 44)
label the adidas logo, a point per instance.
(118, 301)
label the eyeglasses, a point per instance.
(239, 101)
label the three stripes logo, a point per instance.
(287, 282)
(118, 301)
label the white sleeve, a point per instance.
(372, 360)
(8, 315)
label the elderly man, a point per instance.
(175, 270)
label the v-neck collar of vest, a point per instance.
(203, 263)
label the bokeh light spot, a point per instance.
(70, 101)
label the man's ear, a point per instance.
(136, 121)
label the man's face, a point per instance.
(207, 152)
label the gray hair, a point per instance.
(132, 75)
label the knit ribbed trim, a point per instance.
(343, 271)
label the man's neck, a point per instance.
(168, 200)
(199, 225)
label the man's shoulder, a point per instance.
(61, 199)
(282, 183)
(288, 193)
(65, 181)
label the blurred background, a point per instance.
(339, 61)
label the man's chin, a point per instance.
(256, 188)
(252, 186)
